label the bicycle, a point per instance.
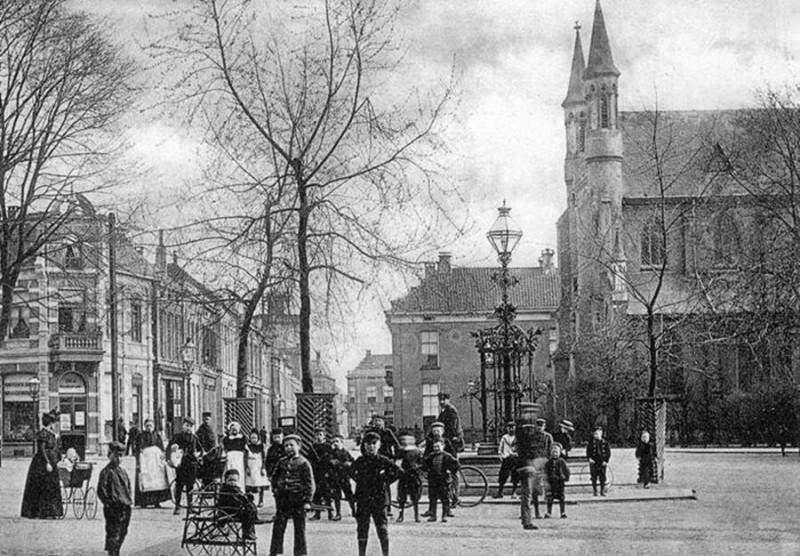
(472, 484)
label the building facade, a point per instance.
(369, 390)
(433, 349)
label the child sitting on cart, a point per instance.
(236, 504)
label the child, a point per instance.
(256, 479)
(114, 491)
(293, 486)
(372, 473)
(275, 451)
(557, 473)
(598, 452)
(646, 454)
(232, 501)
(320, 459)
(341, 460)
(441, 467)
(410, 485)
(508, 461)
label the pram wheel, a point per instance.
(78, 507)
(65, 499)
(90, 505)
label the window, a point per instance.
(429, 345)
(72, 402)
(388, 394)
(726, 240)
(18, 416)
(71, 318)
(72, 257)
(430, 400)
(653, 249)
(136, 321)
(372, 394)
(582, 134)
(604, 112)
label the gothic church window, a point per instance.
(582, 133)
(653, 248)
(605, 117)
(725, 235)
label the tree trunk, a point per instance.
(305, 295)
(653, 349)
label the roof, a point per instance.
(471, 290)
(373, 361)
(575, 89)
(601, 62)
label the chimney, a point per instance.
(430, 269)
(161, 253)
(444, 262)
(546, 260)
(369, 352)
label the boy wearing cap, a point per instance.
(114, 491)
(563, 437)
(410, 484)
(293, 487)
(275, 451)
(557, 472)
(598, 452)
(341, 460)
(320, 458)
(508, 461)
(372, 473)
(186, 475)
(441, 468)
(437, 435)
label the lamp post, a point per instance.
(188, 357)
(472, 389)
(33, 389)
(504, 235)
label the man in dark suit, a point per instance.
(206, 434)
(448, 415)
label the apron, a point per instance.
(255, 464)
(152, 472)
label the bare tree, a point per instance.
(62, 86)
(311, 85)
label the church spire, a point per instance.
(575, 89)
(601, 62)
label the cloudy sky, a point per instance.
(513, 59)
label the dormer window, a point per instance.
(73, 258)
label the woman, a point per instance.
(151, 484)
(256, 479)
(235, 445)
(42, 497)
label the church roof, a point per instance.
(471, 290)
(601, 62)
(575, 89)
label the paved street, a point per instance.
(747, 504)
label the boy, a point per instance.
(437, 435)
(441, 468)
(598, 452)
(410, 485)
(508, 461)
(275, 451)
(293, 486)
(186, 475)
(341, 460)
(114, 491)
(320, 459)
(557, 473)
(372, 473)
(646, 454)
(232, 501)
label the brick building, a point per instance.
(369, 390)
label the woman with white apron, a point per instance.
(235, 445)
(256, 480)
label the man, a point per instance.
(372, 473)
(133, 438)
(114, 491)
(563, 437)
(187, 442)
(452, 423)
(533, 449)
(206, 434)
(598, 452)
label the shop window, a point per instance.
(18, 409)
(72, 403)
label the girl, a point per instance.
(235, 445)
(256, 479)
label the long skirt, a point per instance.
(236, 461)
(152, 486)
(42, 497)
(255, 480)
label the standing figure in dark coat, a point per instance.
(114, 491)
(42, 496)
(293, 486)
(151, 486)
(133, 435)
(320, 459)
(275, 451)
(388, 446)
(533, 449)
(437, 435)
(341, 460)
(598, 452)
(646, 455)
(452, 422)
(186, 475)
(122, 432)
(557, 472)
(410, 485)
(441, 468)
(563, 437)
(372, 473)
(206, 434)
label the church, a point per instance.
(655, 251)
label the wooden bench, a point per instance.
(213, 530)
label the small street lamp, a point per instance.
(472, 391)
(188, 358)
(33, 389)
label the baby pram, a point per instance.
(75, 489)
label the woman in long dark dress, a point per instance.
(42, 497)
(151, 484)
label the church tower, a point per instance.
(575, 114)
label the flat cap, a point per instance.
(294, 437)
(116, 447)
(188, 420)
(372, 437)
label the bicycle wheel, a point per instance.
(90, 504)
(78, 507)
(472, 486)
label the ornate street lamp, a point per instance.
(188, 358)
(33, 389)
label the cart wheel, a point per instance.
(90, 503)
(65, 499)
(77, 503)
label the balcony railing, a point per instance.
(77, 341)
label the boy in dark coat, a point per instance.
(275, 451)
(441, 468)
(372, 473)
(232, 501)
(598, 452)
(320, 459)
(557, 472)
(341, 460)
(186, 475)
(646, 454)
(410, 485)
(114, 491)
(293, 486)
